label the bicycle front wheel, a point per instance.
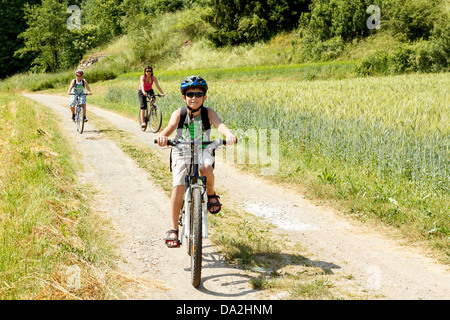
(80, 119)
(143, 128)
(155, 118)
(196, 237)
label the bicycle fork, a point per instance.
(187, 213)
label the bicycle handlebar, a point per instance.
(173, 142)
(80, 94)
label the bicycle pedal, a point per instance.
(180, 219)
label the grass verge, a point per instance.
(52, 246)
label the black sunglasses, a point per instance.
(198, 94)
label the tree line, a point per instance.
(47, 36)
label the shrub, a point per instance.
(412, 19)
(316, 50)
(376, 63)
(336, 18)
(96, 75)
(239, 21)
(423, 56)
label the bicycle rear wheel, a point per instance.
(196, 237)
(155, 118)
(80, 119)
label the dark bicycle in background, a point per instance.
(153, 115)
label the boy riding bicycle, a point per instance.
(189, 125)
(76, 90)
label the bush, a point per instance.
(96, 75)
(376, 63)
(248, 21)
(77, 43)
(430, 50)
(163, 37)
(412, 19)
(336, 18)
(423, 56)
(327, 50)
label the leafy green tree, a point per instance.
(246, 21)
(12, 23)
(337, 18)
(161, 6)
(413, 19)
(106, 14)
(46, 33)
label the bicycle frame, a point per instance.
(195, 197)
(192, 182)
(150, 118)
(78, 107)
(151, 99)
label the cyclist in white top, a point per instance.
(76, 90)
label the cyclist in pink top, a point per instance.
(146, 81)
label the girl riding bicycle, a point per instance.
(76, 90)
(146, 82)
(190, 125)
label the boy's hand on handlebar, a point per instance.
(162, 141)
(231, 139)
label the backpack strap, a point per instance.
(82, 82)
(205, 118)
(183, 114)
(206, 127)
(205, 122)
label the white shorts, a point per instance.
(73, 100)
(181, 165)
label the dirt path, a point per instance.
(376, 262)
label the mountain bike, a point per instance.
(153, 115)
(79, 113)
(193, 214)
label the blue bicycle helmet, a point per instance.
(193, 81)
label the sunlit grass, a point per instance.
(46, 225)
